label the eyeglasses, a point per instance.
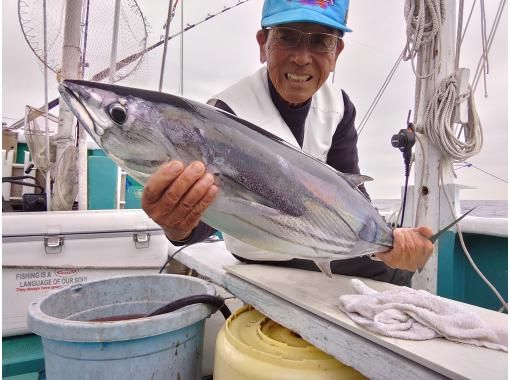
(289, 38)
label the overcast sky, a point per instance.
(223, 50)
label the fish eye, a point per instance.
(118, 113)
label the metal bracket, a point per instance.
(53, 244)
(142, 239)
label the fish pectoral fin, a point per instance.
(325, 266)
(240, 206)
(362, 248)
(356, 179)
(241, 192)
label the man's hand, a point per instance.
(175, 197)
(411, 249)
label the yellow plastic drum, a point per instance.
(252, 347)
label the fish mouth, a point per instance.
(73, 95)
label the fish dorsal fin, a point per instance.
(325, 266)
(152, 96)
(356, 179)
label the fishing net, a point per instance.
(96, 35)
(63, 172)
(65, 192)
(35, 134)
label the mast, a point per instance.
(430, 201)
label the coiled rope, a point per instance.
(439, 123)
(424, 19)
(439, 117)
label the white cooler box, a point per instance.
(49, 250)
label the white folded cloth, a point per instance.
(408, 313)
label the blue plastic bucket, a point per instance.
(167, 346)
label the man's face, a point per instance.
(297, 72)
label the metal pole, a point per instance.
(46, 110)
(85, 37)
(167, 31)
(181, 83)
(113, 70)
(115, 39)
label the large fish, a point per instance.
(272, 195)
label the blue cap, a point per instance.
(332, 13)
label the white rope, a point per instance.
(422, 28)
(484, 46)
(379, 95)
(424, 19)
(458, 42)
(492, 33)
(467, 22)
(461, 237)
(463, 245)
(439, 123)
(470, 165)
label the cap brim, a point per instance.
(302, 15)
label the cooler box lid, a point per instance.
(37, 224)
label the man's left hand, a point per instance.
(411, 249)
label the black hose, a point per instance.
(24, 184)
(209, 239)
(404, 201)
(16, 177)
(17, 181)
(404, 140)
(171, 257)
(29, 168)
(216, 301)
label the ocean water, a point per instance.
(485, 208)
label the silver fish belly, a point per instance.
(272, 195)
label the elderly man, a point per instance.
(299, 42)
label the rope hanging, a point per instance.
(439, 123)
(424, 19)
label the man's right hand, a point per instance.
(175, 197)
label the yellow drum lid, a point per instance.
(257, 336)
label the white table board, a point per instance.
(306, 302)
